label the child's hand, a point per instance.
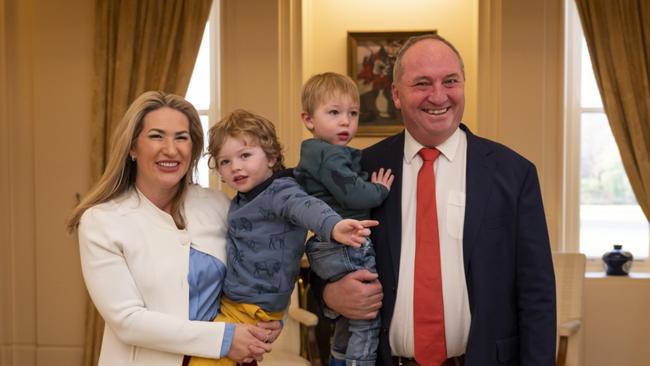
(352, 232)
(383, 177)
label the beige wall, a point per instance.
(521, 89)
(45, 98)
(6, 328)
(261, 64)
(326, 23)
(617, 325)
(45, 103)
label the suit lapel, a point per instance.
(479, 180)
(388, 153)
(393, 206)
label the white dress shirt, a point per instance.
(450, 174)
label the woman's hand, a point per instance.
(352, 232)
(273, 330)
(357, 295)
(247, 343)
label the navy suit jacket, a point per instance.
(506, 252)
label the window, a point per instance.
(203, 91)
(601, 209)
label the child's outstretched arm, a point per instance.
(352, 232)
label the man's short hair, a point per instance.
(397, 69)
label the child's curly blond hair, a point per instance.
(241, 123)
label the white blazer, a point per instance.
(135, 265)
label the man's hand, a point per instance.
(352, 232)
(357, 295)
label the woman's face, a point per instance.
(162, 152)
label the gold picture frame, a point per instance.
(371, 56)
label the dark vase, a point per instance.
(618, 261)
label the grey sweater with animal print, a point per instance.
(266, 239)
(333, 174)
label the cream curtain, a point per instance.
(618, 36)
(140, 45)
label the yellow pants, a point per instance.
(232, 312)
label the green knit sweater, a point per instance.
(333, 174)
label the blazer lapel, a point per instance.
(393, 206)
(387, 236)
(479, 180)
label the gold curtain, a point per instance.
(140, 45)
(618, 36)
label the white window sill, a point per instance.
(633, 275)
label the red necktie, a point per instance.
(428, 311)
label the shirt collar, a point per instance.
(250, 195)
(447, 149)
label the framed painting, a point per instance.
(371, 56)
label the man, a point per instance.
(495, 287)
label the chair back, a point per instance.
(286, 349)
(289, 339)
(569, 283)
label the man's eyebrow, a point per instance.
(453, 74)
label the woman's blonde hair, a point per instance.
(120, 173)
(243, 123)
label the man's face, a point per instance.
(430, 92)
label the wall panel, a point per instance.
(521, 89)
(62, 96)
(45, 102)
(261, 64)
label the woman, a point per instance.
(153, 245)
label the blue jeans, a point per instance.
(354, 340)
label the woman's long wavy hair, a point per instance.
(120, 173)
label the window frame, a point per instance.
(572, 136)
(213, 112)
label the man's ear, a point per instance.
(395, 95)
(307, 120)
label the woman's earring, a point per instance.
(132, 158)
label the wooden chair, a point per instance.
(569, 281)
(295, 346)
